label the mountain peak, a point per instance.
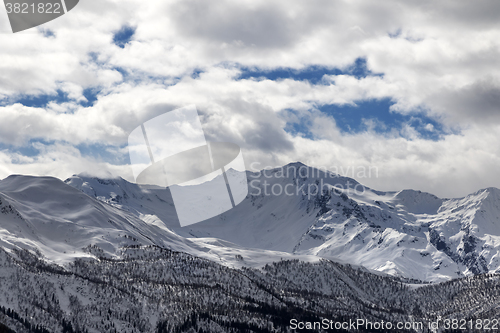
(418, 202)
(492, 190)
(20, 182)
(296, 164)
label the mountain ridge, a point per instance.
(410, 233)
(406, 233)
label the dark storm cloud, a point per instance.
(477, 103)
(251, 125)
(268, 25)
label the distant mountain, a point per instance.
(407, 233)
(106, 255)
(60, 223)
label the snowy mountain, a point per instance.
(48, 217)
(305, 211)
(106, 255)
(156, 290)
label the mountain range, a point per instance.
(305, 243)
(305, 211)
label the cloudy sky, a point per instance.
(411, 88)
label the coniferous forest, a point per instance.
(154, 289)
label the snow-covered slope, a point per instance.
(290, 212)
(263, 220)
(156, 290)
(408, 233)
(59, 242)
(46, 215)
(59, 222)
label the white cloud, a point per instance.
(442, 58)
(59, 160)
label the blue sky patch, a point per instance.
(39, 101)
(301, 128)
(376, 115)
(196, 73)
(47, 33)
(42, 100)
(91, 95)
(313, 74)
(97, 151)
(123, 36)
(360, 69)
(28, 150)
(373, 115)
